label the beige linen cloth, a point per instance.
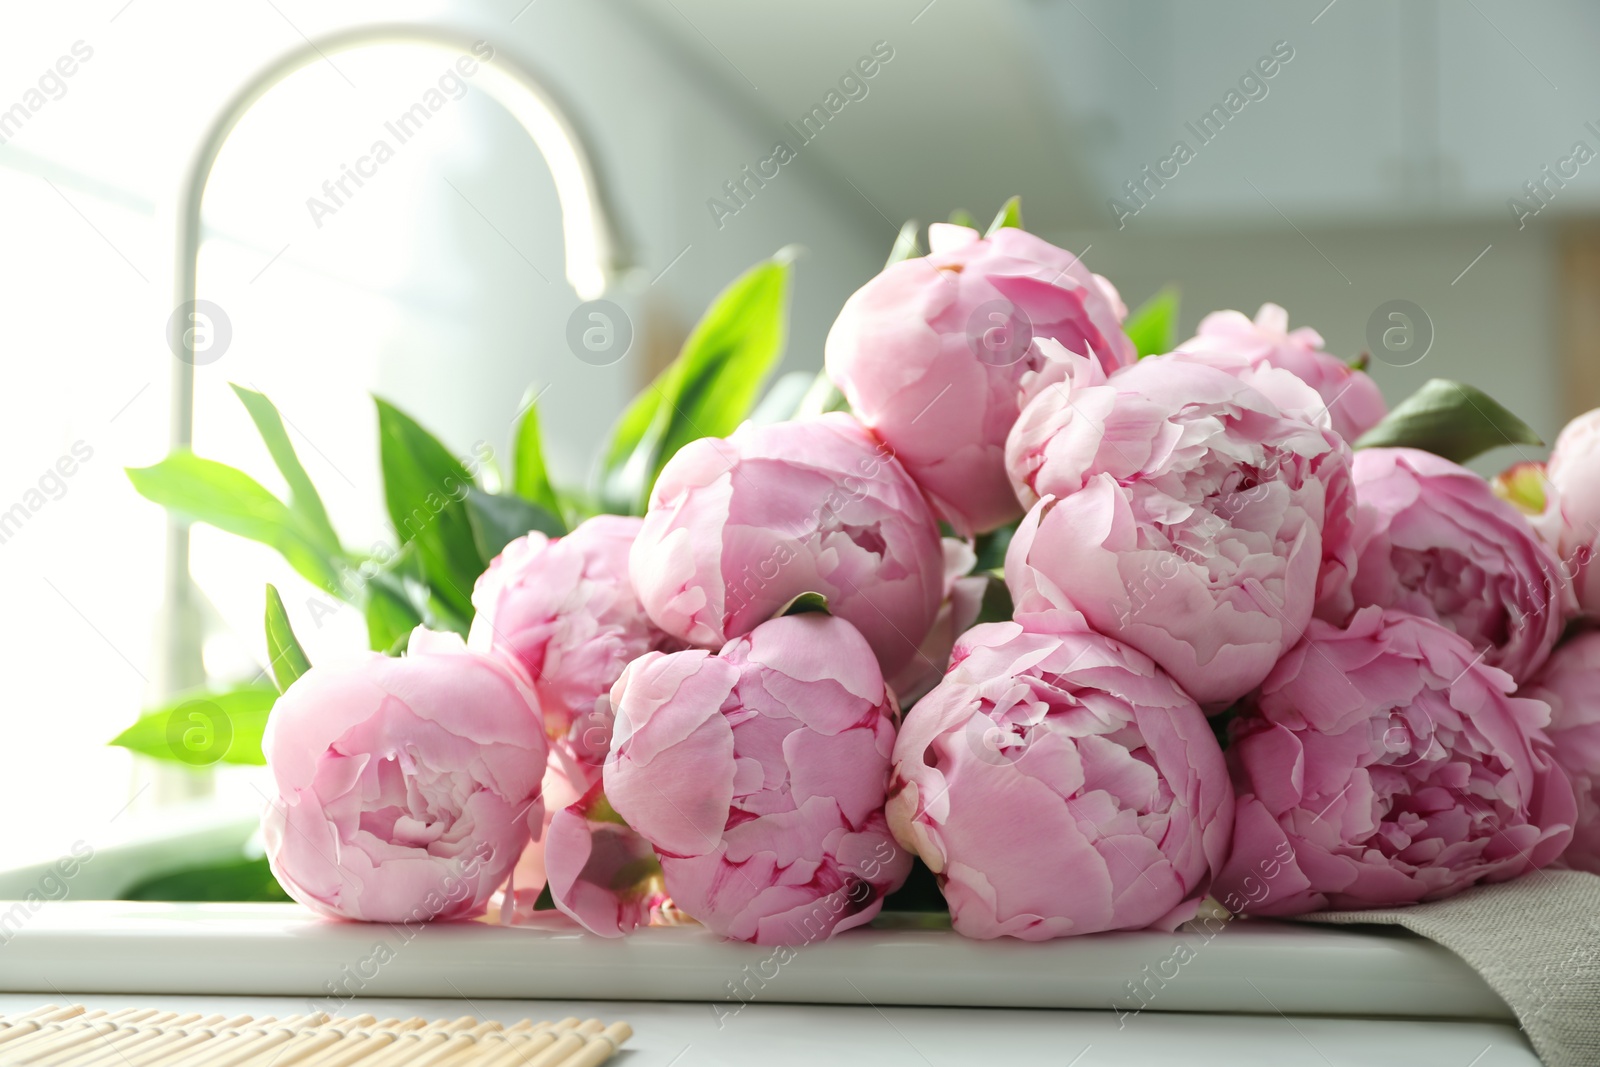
(1535, 940)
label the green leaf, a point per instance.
(304, 500)
(1451, 420)
(227, 881)
(804, 604)
(390, 615)
(996, 605)
(283, 648)
(991, 548)
(784, 398)
(499, 520)
(404, 577)
(530, 478)
(204, 490)
(707, 391)
(1153, 326)
(963, 217)
(905, 244)
(727, 358)
(821, 398)
(1010, 215)
(624, 457)
(917, 905)
(203, 727)
(442, 617)
(425, 489)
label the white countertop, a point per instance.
(1250, 994)
(779, 1035)
(283, 950)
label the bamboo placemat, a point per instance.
(72, 1036)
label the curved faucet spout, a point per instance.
(593, 250)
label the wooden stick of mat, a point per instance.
(237, 1046)
(175, 1042)
(40, 1023)
(362, 1039)
(368, 1045)
(315, 1042)
(25, 1026)
(80, 1044)
(417, 1042)
(32, 1020)
(52, 1036)
(58, 1036)
(125, 1044)
(518, 1035)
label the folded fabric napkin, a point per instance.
(1535, 940)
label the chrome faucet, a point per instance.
(593, 258)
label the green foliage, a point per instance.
(919, 904)
(905, 244)
(991, 548)
(996, 606)
(390, 615)
(707, 391)
(289, 660)
(804, 604)
(1010, 215)
(799, 395)
(205, 726)
(204, 490)
(822, 397)
(782, 401)
(425, 489)
(530, 478)
(249, 880)
(1449, 419)
(499, 520)
(447, 526)
(1153, 326)
(304, 500)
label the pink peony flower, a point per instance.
(1574, 476)
(759, 773)
(1570, 684)
(1354, 403)
(1187, 511)
(936, 356)
(1431, 538)
(565, 610)
(1384, 764)
(602, 873)
(407, 787)
(738, 527)
(963, 601)
(521, 893)
(1060, 783)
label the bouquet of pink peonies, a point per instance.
(1019, 597)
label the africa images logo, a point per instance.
(451, 85)
(742, 187)
(1252, 87)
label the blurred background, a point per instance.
(1437, 154)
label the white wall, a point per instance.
(1394, 109)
